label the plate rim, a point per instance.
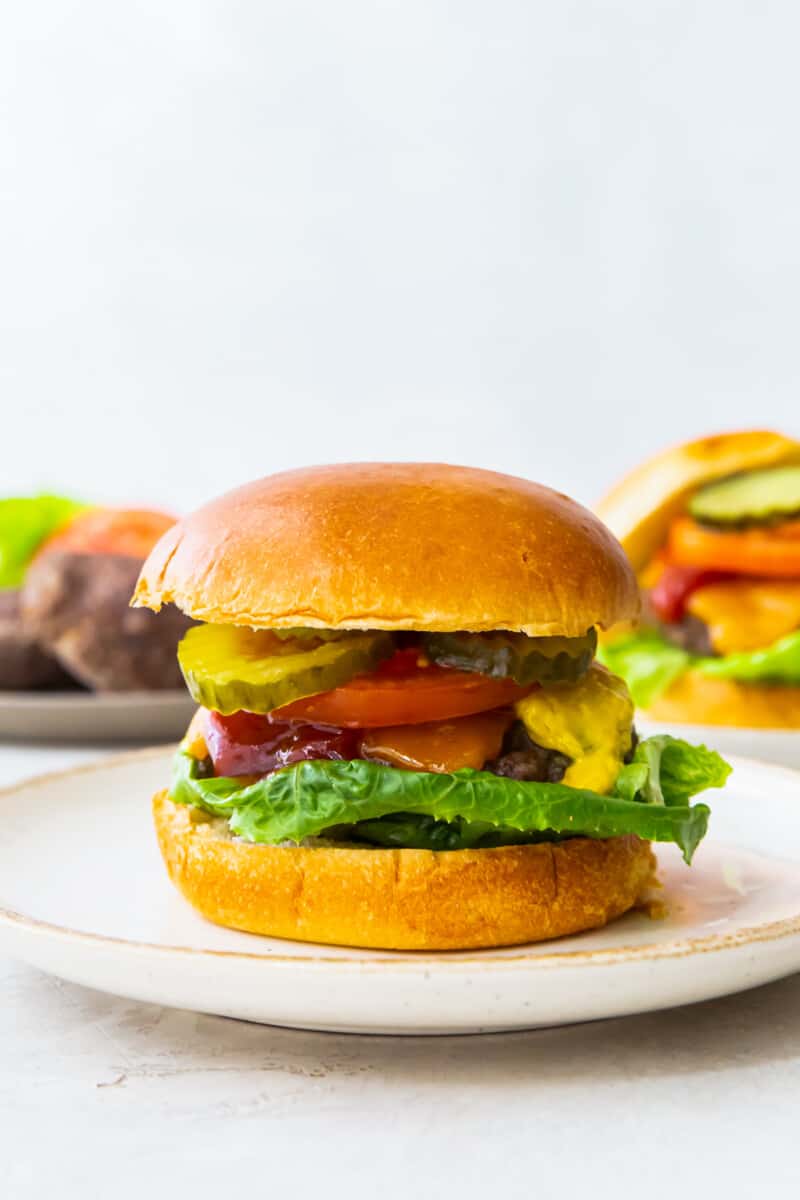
(455, 960)
(30, 698)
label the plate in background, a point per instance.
(96, 716)
(780, 746)
(83, 894)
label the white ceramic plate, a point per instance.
(84, 896)
(96, 716)
(768, 745)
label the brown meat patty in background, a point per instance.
(690, 633)
(76, 608)
(24, 662)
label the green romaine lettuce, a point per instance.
(667, 770)
(649, 664)
(25, 522)
(310, 798)
(416, 831)
(779, 663)
(646, 662)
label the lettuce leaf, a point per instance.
(649, 664)
(309, 799)
(667, 770)
(416, 831)
(779, 663)
(646, 662)
(25, 522)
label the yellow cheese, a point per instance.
(194, 740)
(590, 721)
(747, 615)
(440, 745)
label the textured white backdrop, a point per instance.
(539, 237)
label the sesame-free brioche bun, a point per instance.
(698, 699)
(393, 546)
(640, 507)
(401, 899)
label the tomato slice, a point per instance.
(111, 531)
(772, 552)
(402, 692)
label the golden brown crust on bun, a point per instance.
(640, 507)
(698, 699)
(400, 899)
(393, 546)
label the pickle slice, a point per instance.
(513, 655)
(304, 633)
(759, 497)
(228, 668)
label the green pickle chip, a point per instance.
(513, 655)
(228, 668)
(758, 497)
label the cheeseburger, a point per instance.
(403, 740)
(713, 530)
(66, 574)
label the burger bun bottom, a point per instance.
(400, 899)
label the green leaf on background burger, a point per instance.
(649, 664)
(779, 663)
(646, 662)
(25, 522)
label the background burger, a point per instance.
(403, 739)
(66, 575)
(713, 530)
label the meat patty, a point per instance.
(77, 607)
(690, 633)
(522, 758)
(24, 662)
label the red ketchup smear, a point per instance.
(249, 744)
(402, 662)
(670, 595)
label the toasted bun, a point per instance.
(401, 899)
(698, 699)
(393, 546)
(640, 507)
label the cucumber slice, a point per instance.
(756, 498)
(228, 668)
(513, 655)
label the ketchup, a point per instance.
(405, 661)
(676, 584)
(250, 744)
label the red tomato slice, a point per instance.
(773, 551)
(401, 692)
(111, 531)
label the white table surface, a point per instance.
(102, 1097)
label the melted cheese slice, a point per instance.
(440, 746)
(590, 721)
(745, 615)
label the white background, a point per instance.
(545, 237)
(238, 236)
